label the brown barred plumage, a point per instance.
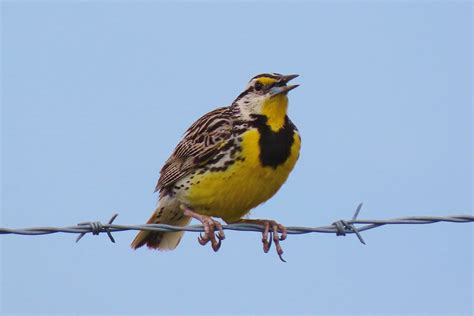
(201, 142)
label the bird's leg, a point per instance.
(210, 226)
(270, 232)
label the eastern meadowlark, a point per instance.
(228, 162)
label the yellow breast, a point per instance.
(232, 193)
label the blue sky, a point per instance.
(95, 95)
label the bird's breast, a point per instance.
(275, 147)
(261, 166)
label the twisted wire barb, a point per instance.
(340, 227)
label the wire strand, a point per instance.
(340, 227)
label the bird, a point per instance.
(228, 162)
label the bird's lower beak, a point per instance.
(283, 89)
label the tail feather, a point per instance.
(162, 240)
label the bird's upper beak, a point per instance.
(287, 78)
(284, 89)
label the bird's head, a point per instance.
(266, 95)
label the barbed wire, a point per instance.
(340, 227)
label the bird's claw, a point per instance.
(210, 226)
(202, 240)
(270, 233)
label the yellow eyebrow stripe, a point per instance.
(266, 80)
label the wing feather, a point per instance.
(200, 143)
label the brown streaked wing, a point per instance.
(200, 143)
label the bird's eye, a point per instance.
(258, 86)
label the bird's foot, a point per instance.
(210, 226)
(270, 233)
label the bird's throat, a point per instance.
(275, 109)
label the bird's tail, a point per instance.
(164, 214)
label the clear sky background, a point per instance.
(95, 95)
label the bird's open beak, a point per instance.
(284, 89)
